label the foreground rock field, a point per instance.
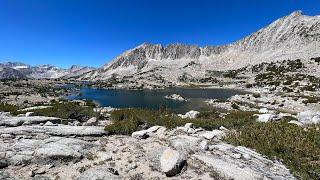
(56, 151)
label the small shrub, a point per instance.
(5, 107)
(235, 106)
(67, 110)
(256, 95)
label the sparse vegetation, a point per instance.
(291, 144)
(67, 110)
(127, 121)
(4, 107)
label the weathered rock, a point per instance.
(204, 145)
(48, 123)
(92, 121)
(191, 114)
(175, 97)
(17, 121)
(140, 134)
(218, 134)
(143, 134)
(171, 162)
(231, 163)
(99, 173)
(29, 114)
(265, 117)
(309, 117)
(185, 144)
(188, 125)
(61, 130)
(263, 110)
(298, 123)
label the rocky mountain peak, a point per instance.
(296, 14)
(290, 37)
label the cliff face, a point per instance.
(290, 37)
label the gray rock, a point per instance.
(99, 173)
(218, 134)
(204, 145)
(48, 123)
(185, 144)
(266, 117)
(61, 130)
(143, 134)
(17, 121)
(171, 162)
(232, 163)
(91, 122)
(298, 123)
(309, 117)
(191, 114)
(140, 134)
(188, 125)
(29, 114)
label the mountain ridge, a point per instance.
(290, 37)
(11, 69)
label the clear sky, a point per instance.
(92, 32)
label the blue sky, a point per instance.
(92, 32)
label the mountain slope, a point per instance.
(291, 37)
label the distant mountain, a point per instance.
(291, 37)
(21, 70)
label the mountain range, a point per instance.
(21, 70)
(290, 37)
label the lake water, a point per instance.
(154, 99)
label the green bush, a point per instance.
(311, 99)
(5, 107)
(127, 121)
(298, 149)
(67, 110)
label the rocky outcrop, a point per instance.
(190, 114)
(309, 117)
(18, 121)
(86, 152)
(175, 97)
(60, 130)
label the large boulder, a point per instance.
(266, 117)
(171, 162)
(175, 97)
(309, 117)
(91, 122)
(140, 134)
(191, 114)
(185, 144)
(217, 134)
(143, 134)
(99, 173)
